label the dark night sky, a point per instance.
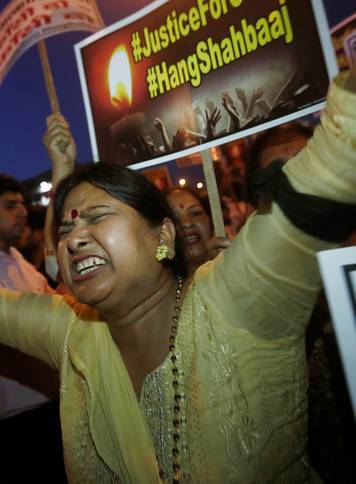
(24, 104)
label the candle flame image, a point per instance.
(120, 79)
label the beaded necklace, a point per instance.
(175, 383)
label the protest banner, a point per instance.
(23, 23)
(344, 41)
(182, 76)
(338, 270)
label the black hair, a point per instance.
(261, 141)
(131, 188)
(36, 217)
(9, 184)
(202, 198)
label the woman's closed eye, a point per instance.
(196, 213)
(95, 218)
(65, 229)
(89, 218)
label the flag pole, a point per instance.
(51, 89)
(213, 193)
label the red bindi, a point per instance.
(181, 205)
(74, 213)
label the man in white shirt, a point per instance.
(29, 421)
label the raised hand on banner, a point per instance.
(160, 126)
(180, 139)
(145, 147)
(209, 104)
(212, 118)
(60, 145)
(241, 96)
(228, 99)
(229, 107)
(255, 96)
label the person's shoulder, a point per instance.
(82, 311)
(16, 254)
(38, 280)
(19, 258)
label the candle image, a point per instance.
(125, 132)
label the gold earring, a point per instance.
(162, 252)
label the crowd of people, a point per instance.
(29, 388)
(174, 355)
(235, 110)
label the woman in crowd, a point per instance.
(168, 380)
(195, 227)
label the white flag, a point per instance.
(24, 22)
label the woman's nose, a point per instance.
(186, 221)
(78, 239)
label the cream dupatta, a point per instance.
(117, 425)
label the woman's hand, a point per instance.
(216, 245)
(60, 144)
(62, 152)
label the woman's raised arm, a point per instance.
(268, 279)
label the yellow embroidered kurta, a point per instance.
(240, 348)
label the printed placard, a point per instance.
(24, 22)
(338, 270)
(182, 76)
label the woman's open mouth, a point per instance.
(192, 238)
(87, 267)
